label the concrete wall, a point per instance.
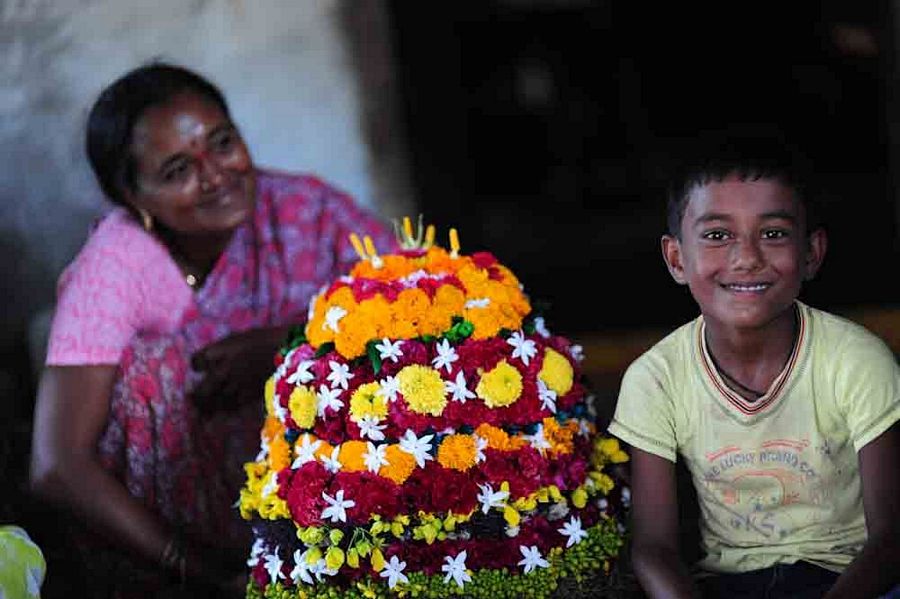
(286, 67)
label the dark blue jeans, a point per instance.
(801, 580)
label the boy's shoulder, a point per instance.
(838, 339)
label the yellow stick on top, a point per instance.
(357, 245)
(454, 243)
(429, 236)
(407, 227)
(370, 247)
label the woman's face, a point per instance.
(194, 173)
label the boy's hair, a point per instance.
(748, 152)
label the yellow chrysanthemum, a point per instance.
(303, 405)
(607, 450)
(501, 386)
(423, 389)
(269, 395)
(399, 464)
(457, 452)
(351, 456)
(365, 402)
(557, 372)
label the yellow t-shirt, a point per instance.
(777, 479)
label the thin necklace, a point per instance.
(737, 386)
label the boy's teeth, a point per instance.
(757, 287)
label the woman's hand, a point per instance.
(235, 368)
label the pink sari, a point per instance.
(184, 465)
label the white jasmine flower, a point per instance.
(446, 356)
(328, 399)
(458, 388)
(532, 558)
(332, 464)
(547, 396)
(389, 351)
(573, 532)
(305, 451)
(271, 485)
(577, 353)
(393, 571)
(337, 506)
(369, 427)
(538, 440)
(273, 565)
(480, 445)
(301, 374)
(418, 447)
(255, 552)
(540, 327)
(302, 570)
(376, 456)
(263, 450)
(340, 375)
(488, 498)
(455, 567)
(388, 388)
(524, 348)
(333, 317)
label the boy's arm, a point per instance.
(655, 528)
(875, 570)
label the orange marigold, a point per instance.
(399, 464)
(279, 454)
(272, 428)
(498, 438)
(560, 437)
(457, 452)
(351, 456)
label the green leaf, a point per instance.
(374, 356)
(324, 349)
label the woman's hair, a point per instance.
(119, 107)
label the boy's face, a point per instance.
(744, 251)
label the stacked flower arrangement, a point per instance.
(426, 435)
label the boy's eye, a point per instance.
(774, 234)
(715, 235)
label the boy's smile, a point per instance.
(744, 251)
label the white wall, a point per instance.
(281, 63)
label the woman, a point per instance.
(166, 326)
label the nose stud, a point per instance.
(205, 186)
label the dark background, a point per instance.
(544, 132)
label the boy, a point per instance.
(785, 415)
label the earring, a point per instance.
(146, 219)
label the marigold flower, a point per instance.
(365, 402)
(351, 456)
(272, 428)
(269, 395)
(423, 389)
(302, 404)
(400, 464)
(279, 453)
(501, 386)
(498, 439)
(557, 372)
(560, 437)
(457, 452)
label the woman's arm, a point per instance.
(70, 414)
(71, 411)
(874, 571)
(655, 528)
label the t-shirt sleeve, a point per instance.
(96, 310)
(644, 416)
(867, 386)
